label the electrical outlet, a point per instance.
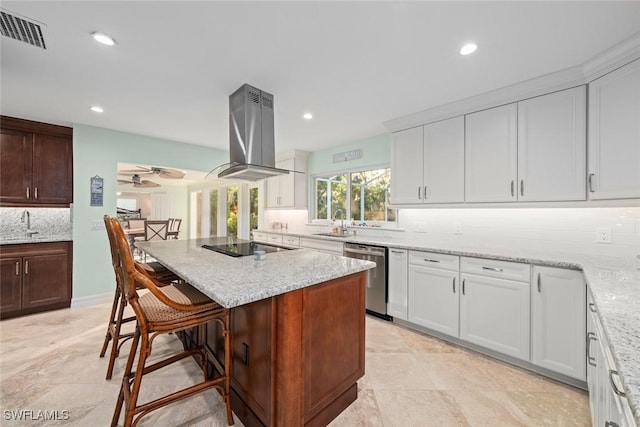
(421, 227)
(603, 235)
(457, 228)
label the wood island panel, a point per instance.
(285, 371)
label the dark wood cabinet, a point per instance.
(35, 277)
(36, 163)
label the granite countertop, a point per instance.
(613, 281)
(37, 238)
(236, 281)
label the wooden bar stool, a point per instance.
(163, 310)
(155, 271)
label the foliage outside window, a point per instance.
(198, 209)
(253, 208)
(367, 191)
(232, 211)
(213, 213)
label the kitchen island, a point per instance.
(292, 314)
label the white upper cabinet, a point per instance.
(614, 134)
(289, 191)
(552, 146)
(491, 150)
(406, 166)
(428, 163)
(444, 161)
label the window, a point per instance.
(232, 211)
(366, 190)
(213, 213)
(254, 208)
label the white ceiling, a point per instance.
(352, 64)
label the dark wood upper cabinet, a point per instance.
(36, 163)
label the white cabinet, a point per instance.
(533, 150)
(491, 155)
(494, 305)
(260, 236)
(558, 321)
(433, 291)
(552, 146)
(327, 246)
(608, 403)
(289, 191)
(397, 282)
(274, 239)
(290, 240)
(614, 134)
(428, 163)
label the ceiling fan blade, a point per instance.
(124, 181)
(170, 174)
(137, 172)
(146, 184)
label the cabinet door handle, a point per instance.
(17, 268)
(539, 284)
(35, 193)
(611, 424)
(613, 384)
(431, 260)
(454, 285)
(511, 188)
(499, 270)
(419, 192)
(26, 267)
(396, 252)
(425, 192)
(522, 187)
(28, 193)
(591, 360)
(592, 307)
(463, 289)
(591, 183)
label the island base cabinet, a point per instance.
(558, 320)
(494, 313)
(296, 357)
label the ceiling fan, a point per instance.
(165, 173)
(139, 183)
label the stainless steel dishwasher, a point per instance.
(376, 299)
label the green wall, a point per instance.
(375, 151)
(97, 151)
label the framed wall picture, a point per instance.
(97, 190)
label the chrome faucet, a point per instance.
(343, 229)
(26, 215)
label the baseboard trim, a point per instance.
(91, 300)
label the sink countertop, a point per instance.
(37, 238)
(613, 281)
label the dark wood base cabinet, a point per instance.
(297, 356)
(34, 277)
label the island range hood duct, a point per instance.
(251, 131)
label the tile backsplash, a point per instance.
(570, 229)
(46, 221)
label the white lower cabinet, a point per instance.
(433, 291)
(494, 311)
(320, 245)
(609, 406)
(558, 321)
(397, 282)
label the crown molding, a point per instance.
(618, 55)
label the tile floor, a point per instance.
(50, 362)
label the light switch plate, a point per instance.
(603, 235)
(421, 227)
(457, 228)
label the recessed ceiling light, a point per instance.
(307, 116)
(468, 49)
(103, 38)
(97, 109)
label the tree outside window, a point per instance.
(232, 211)
(213, 213)
(254, 207)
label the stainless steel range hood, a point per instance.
(251, 132)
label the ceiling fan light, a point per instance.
(468, 49)
(103, 38)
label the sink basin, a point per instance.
(331, 234)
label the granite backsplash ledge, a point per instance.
(54, 222)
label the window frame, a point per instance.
(347, 214)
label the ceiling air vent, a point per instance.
(21, 28)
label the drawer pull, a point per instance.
(611, 424)
(17, 268)
(35, 193)
(613, 384)
(396, 252)
(499, 270)
(26, 267)
(591, 360)
(592, 307)
(431, 260)
(28, 193)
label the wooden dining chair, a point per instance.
(175, 227)
(155, 271)
(156, 229)
(163, 310)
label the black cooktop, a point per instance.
(241, 248)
